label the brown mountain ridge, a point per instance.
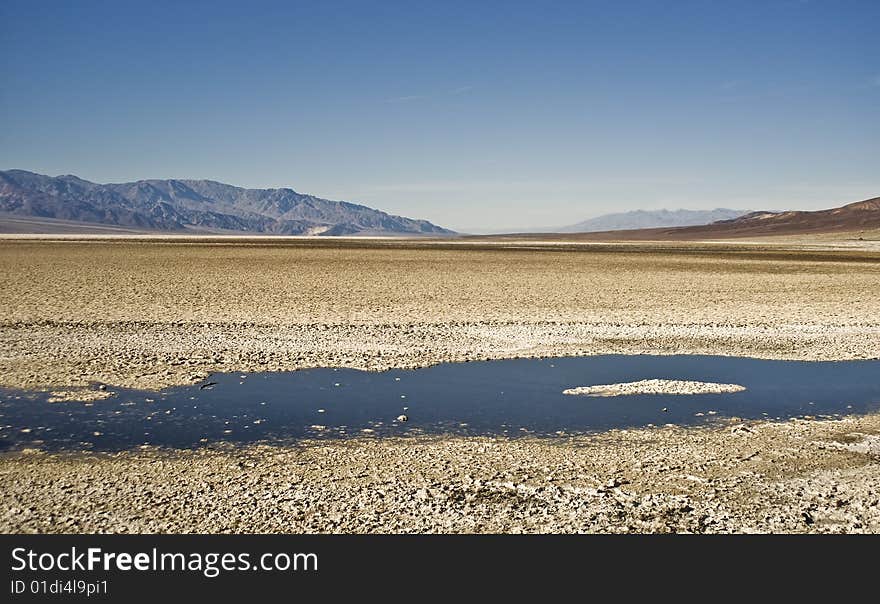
(851, 218)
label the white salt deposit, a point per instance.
(655, 387)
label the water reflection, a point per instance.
(508, 398)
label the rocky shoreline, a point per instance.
(796, 476)
(71, 357)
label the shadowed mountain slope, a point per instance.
(193, 205)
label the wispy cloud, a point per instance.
(406, 99)
(423, 97)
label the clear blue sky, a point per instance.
(471, 114)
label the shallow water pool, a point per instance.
(506, 398)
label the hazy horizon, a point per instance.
(500, 116)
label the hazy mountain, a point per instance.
(648, 219)
(855, 218)
(195, 205)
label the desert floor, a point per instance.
(155, 312)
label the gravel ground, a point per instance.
(152, 313)
(149, 314)
(798, 476)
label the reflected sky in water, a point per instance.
(505, 398)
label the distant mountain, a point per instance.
(194, 205)
(647, 219)
(851, 218)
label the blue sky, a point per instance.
(471, 114)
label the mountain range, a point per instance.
(31, 202)
(647, 219)
(192, 206)
(858, 217)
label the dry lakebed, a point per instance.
(156, 313)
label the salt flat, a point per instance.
(155, 312)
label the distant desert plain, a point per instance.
(156, 311)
